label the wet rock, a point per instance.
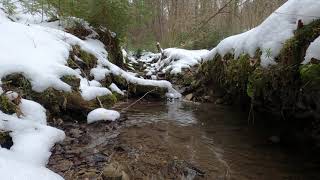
(137, 90)
(112, 171)
(125, 176)
(219, 101)
(189, 97)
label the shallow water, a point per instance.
(178, 140)
(216, 140)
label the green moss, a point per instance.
(108, 100)
(18, 83)
(120, 81)
(72, 64)
(255, 83)
(107, 81)
(237, 73)
(187, 80)
(6, 105)
(51, 99)
(293, 51)
(137, 90)
(73, 81)
(228, 75)
(310, 75)
(89, 60)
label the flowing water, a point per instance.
(179, 140)
(216, 140)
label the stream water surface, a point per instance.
(180, 140)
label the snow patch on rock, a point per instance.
(115, 88)
(313, 51)
(102, 114)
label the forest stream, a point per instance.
(177, 140)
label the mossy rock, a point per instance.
(53, 100)
(81, 59)
(227, 76)
(113, 45)
(70, 103)
(17, 83)
(73, 81)
(89, 59)
(107, 81)
(107, 101)
(120, 81)
(310, 75)
(136, 90)
(79, 30)
(294, 50)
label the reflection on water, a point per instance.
(215, 139)
(171, 111)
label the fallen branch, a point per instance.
(138, 100)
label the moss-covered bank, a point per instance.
(288, 90)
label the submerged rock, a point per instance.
(114, 171)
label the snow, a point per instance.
(44, 63)
(148, 57)
(99, 73)
(15, 170)
(270, 36)
(89, 92)
(177, 59)
(30, 152)
(22, 15)
(11, 95)
(115, 88)
(33, 111)
(102, 114)
(41, 62)
(313, 51)
(95, 83)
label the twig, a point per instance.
(215, 14)
(138, 100)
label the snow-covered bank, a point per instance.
(172, 60)
(270, 36)
(178, 59)
(32, 142)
